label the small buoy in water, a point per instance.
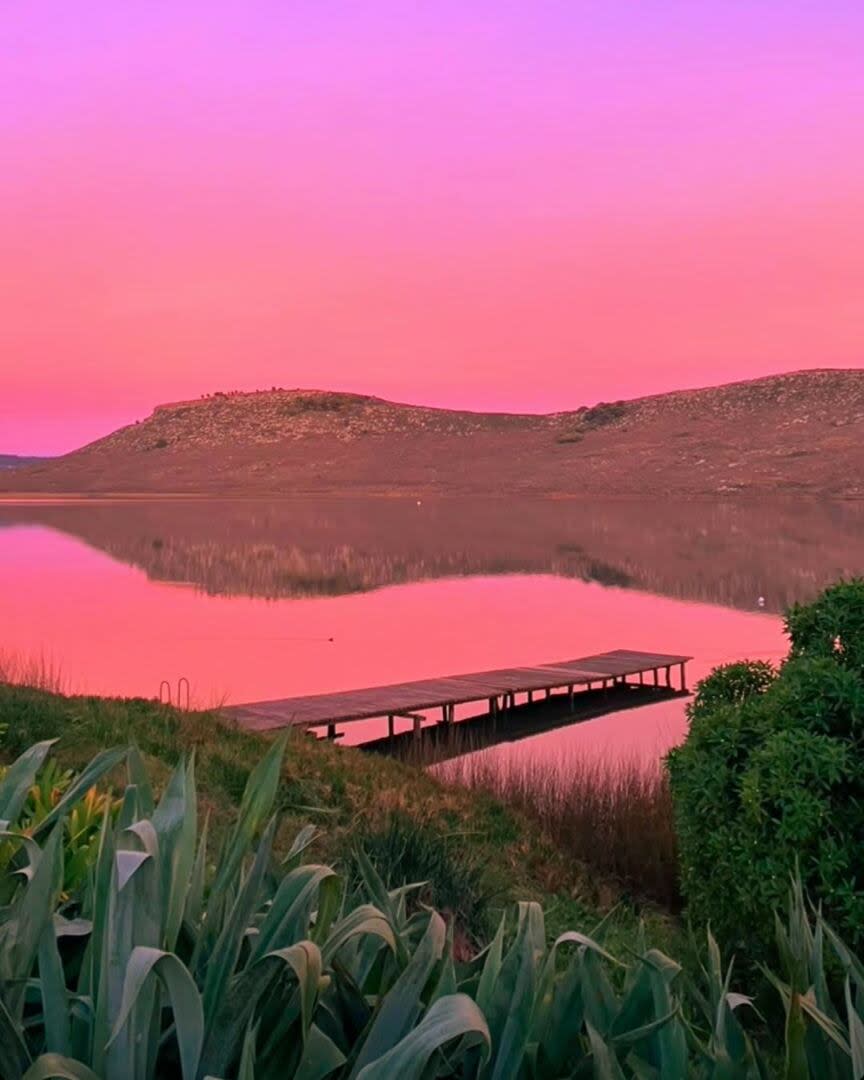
(760, 602)
(419, 503)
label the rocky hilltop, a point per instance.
(801, 432)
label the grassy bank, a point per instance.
(481, 853)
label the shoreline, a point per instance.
(75, 498)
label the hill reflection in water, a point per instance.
(728, 553)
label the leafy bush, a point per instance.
(167, 964)
(832, 626)
(732, 684)
(771, 776)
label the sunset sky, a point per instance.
(502, 205)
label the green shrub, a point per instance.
(771, 776)
(732, 684)
(832, 626)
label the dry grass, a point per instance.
(38, 671)
(613, 816)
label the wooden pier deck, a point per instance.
(500, 688)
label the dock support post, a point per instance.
(683, 679)
(669, 677)
(417, 725)
(331, 731)
(391, 727)
(530, 697)
(656, 679)
(570, 696)
(548, 693)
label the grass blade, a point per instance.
(288, 919)
(19, 779)
(57, 1067)
(147, 963)
(103, 763)
(321, 1056)
(450, 1018)
(176, 823)
(55, 999)
(400, 1008)
(255, 807)
(14, 1056)
(27, 919)
(222, 961)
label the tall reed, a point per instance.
(35, 669)
(615, 816)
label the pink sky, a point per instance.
(492, 205)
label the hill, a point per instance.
(800, 432)
(15, 461)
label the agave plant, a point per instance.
(821, 1039)
(164, 963)
(152, 970)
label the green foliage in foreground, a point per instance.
(497, 853)
(771, 776)
(164, 964)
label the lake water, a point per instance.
(252, 600)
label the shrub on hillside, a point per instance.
(832, 626)
(771, 776)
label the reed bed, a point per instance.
(614, 816)
(37, 670)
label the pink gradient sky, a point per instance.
(492, 205)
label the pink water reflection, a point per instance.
(114, 631)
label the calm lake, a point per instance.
(251, 600)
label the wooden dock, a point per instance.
(500, 688)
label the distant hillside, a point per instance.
(802, 432)
(14, 461)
